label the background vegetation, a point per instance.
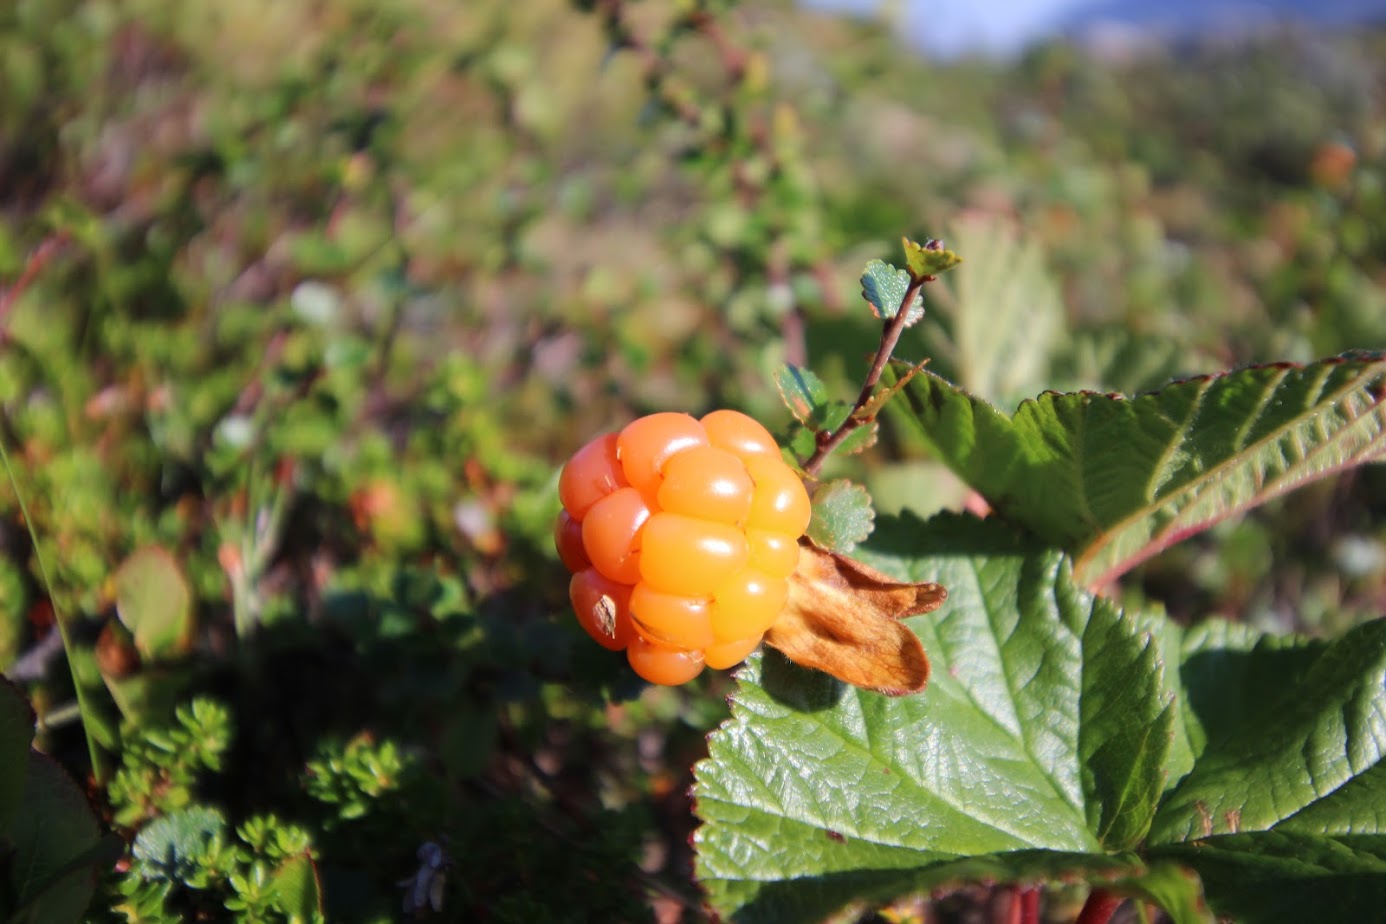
(305, 304)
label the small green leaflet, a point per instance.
(842, 516)
(803, 392)
(923, 261)
(884, 287)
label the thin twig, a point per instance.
(40, 258)
(890, 337)
(84, 703)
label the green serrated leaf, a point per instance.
(1281, 877)
(1277, 788)
(802, 442)
(296, 890)
(831, 415)
(860, 439)
(1039, 744)
(884, 287)
(803, 392)
(1286, 734)
(154, 602)
(1116, 480)
(842, 516)
(925, 262)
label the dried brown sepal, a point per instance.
(841, 618)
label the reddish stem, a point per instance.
(35, 264)
(1099, 907)
(1029, 905)
(890, 337)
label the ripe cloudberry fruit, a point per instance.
(681, 535)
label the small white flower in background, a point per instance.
(424, 889)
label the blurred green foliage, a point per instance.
(314, 297)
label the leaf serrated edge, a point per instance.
(939, 259)
(1176, 529)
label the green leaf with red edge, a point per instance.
(803, 392)
(1115, 480)
(296, 890)
(842, 516)
(884, 288)
(922, 261)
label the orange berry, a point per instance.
(592, 473)
(775, 554)
(780, 503)
(740, 435)
(661, 664)
(567, 538)
(611, 534)
(682, 535)
(720, 657)
(708, 483)
(685, 555)
(646, 444)
(747, 604)
(672, 619)
(603, 608)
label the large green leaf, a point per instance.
(1279, 877)
(1037, 749)
(53, 827)
(1284, 733)
(1114, 480)
(1277, 791)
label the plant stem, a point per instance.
(1099, 907)
(1029, 904)
(32, 267)
(59, 716)
(890, 337)
(84, 704)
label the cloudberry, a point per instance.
(681, 535)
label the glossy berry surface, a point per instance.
(681, 535)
